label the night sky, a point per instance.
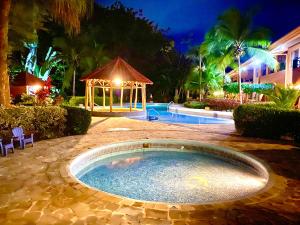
(189, 20)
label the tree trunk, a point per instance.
(200, 78)
(4, 78)
(176, 96)
(224, 76)
(74, 80)
(240, 81)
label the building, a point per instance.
(25, 83)
(287, 52)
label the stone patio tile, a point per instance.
(36, 187)
(153, 213)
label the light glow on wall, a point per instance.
(33, 89)
(297, 87)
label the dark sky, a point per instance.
(189, 20)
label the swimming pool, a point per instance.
(160, 110)
(171, 171)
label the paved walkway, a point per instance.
(35, 187)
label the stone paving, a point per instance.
(35, 186)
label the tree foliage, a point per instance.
(233, 88)
(283, 97)
(235, 37)
(105, 34)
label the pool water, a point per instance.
(161, 111)
(172, 176)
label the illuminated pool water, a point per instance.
(175, 175)
(164, 116)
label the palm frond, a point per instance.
(264, 56)
(69, 12)
(68, 78)
(283, 97)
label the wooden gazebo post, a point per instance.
(131, 93)
(93, 95)
(121, 98)
(136, 94)
(111, 98)
(144, 96)
(103, 96)
(90, 95)
(86, 94)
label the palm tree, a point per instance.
(80, 52)
(236, 34)
(283, 97)
(217, 58)
(197, 72)
(66, 12)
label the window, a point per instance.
(296, 59)
(281, 60)
(295, 54)
(250, 74)
(263, 69)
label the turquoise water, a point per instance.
(160, 110)
(172, 176)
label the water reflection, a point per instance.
(124, 162)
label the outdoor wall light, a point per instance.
(35, 88)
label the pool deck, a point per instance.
(35, 186)
(178, 108)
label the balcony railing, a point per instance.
(277, 77)
(296, 76)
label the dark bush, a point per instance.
(221, 104)
(44, 122)
(195, 105)
(267, 121)
(78, 120)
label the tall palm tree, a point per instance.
(4, 79)
(197, 72)
(236, 34)
(210, 81)
(66, 12)
(217, 58)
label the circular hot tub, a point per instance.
(170, 171)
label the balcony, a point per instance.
(296, 76)
(277, 77)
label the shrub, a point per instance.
(267, 121)
(78, 120)
(75, 101)
(44, 122)
(222, 104)
(233, 88)
(195, 105)
(50, 121)
(283, 97)
(27, 100)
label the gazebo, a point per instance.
(25, 83)
(115, 75)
